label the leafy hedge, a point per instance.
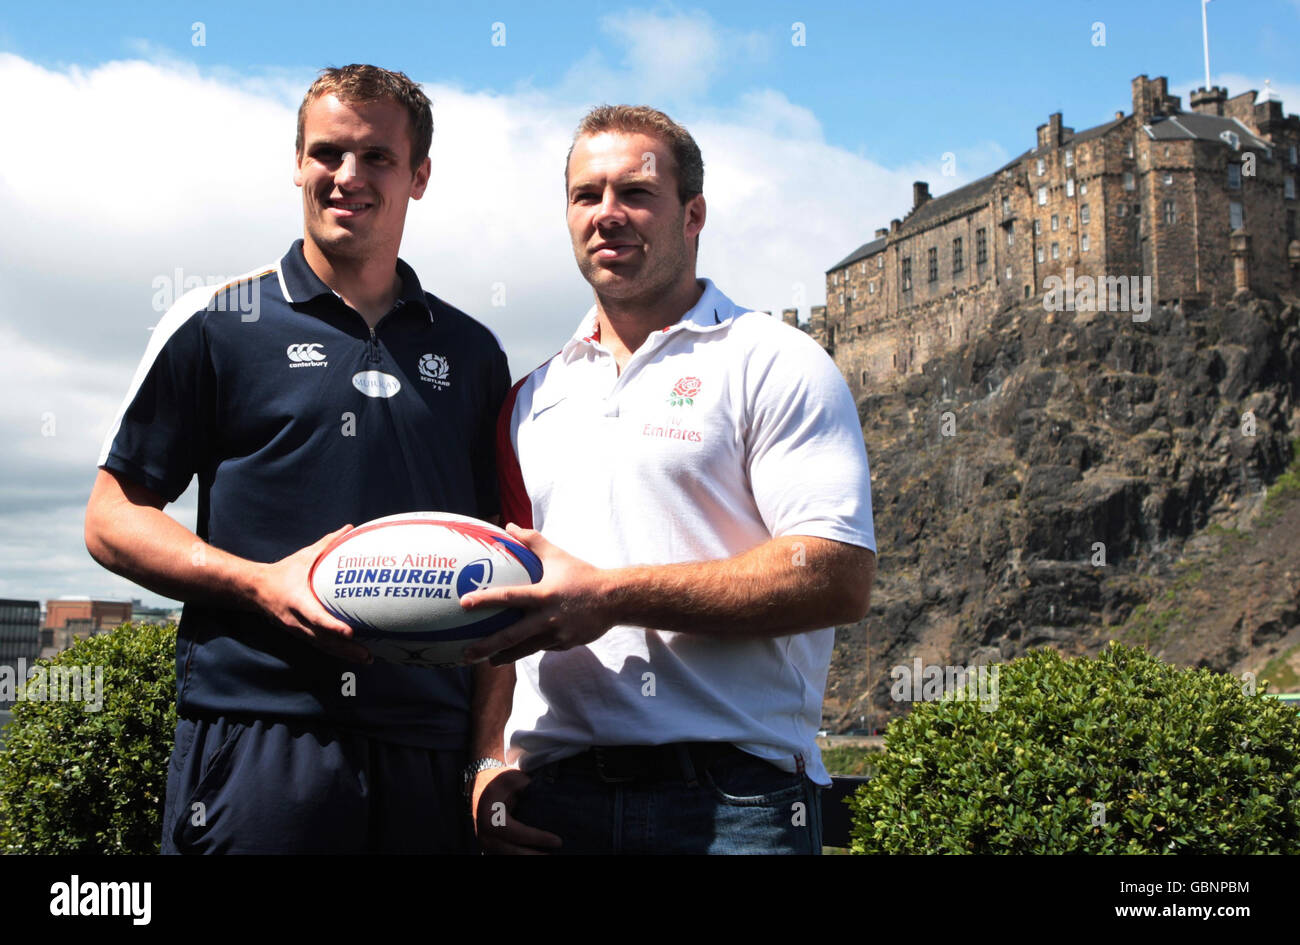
(1122, 753)
(76, 780)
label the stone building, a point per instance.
(1152, 207)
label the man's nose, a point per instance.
(610, 211)
(347, 172)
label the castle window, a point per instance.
(863, 268)
(981, 247)
(907, 273)
(1170, 214)
(1042, 196)
(932, 258)
(871, 288)
(1083, 243)
(1128, 180)
(1006, 206)
(1069, 159)
(1128, 148)
(1042, 166)
(1056, 250)
(880, 261)
(1008, 273)
(1027, 290)
(1011, 234)
(1169, 178)
(1235, 218)
(1084, 215)
(1069, 187)
(1083, 188)
(1056, 223)
(957, 262)
(1042, 255)
(1290, 224)
(841, 298)
(864, 377)
(1234, 176)
(1291, 152)
(1288, 188)
(1123, 209)
(1067, 221)
(1038, 227)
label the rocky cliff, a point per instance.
(1069, 478)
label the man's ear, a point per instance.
(297, 168)
(421, 180)
(695, 212)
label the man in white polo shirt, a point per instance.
(698, 473)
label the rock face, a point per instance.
(1036, 485)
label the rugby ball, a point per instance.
(397, 581)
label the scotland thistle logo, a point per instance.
(434, 369)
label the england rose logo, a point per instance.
(684, 392)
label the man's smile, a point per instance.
(346, 208)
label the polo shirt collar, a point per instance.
(299, 282)
(713, 311)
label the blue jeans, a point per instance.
(738, 804)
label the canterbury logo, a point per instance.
(306, 355)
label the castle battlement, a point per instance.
(1201, 202)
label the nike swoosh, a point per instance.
(538, 411)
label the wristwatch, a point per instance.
(472, 772)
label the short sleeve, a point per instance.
(161, 427)
(806, 457)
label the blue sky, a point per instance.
(895, 82)
(132, 160)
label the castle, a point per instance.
(1196, 205)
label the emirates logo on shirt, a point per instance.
(684, 392)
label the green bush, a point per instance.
(77, 780)
(1118, 754)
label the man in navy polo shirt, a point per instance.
(343, 393)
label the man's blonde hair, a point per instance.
(361, 84)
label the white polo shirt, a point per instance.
(724, 430)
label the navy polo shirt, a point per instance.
(298, 419)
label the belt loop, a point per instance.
(688, 767)
(799, 766)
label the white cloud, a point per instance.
(116, 176)
(665, 58)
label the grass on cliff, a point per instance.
(1151, 623)
(1285, 487)
(1278, 673)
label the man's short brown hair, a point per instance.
(641, 119)
(360, 84)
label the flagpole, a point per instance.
(1205, 35)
